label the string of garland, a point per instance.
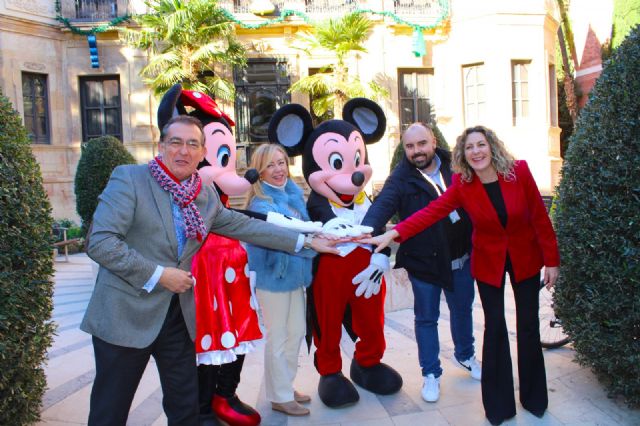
(444, 7)
(284, 14)
(91, 31)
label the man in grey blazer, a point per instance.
(142, 304)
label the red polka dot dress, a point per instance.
(226, 318)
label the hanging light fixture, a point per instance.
(93, 51)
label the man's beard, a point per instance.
(423, 161)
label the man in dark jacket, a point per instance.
(436, 259)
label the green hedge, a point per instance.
(598, 226)
(99, 157)
(26, 267)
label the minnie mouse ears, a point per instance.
(173, 103)
(204, 104)
(169, 106)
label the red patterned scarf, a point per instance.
(183, 195)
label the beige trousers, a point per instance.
(283, 314)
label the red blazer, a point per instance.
(528, 238)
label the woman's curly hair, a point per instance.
(501, 159)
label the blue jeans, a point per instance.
(426, 308)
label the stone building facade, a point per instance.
(490, 62)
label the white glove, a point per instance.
(294, 224)
(343, 228)
(370, 280)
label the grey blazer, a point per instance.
(133, 233)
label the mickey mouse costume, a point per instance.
(336, 167)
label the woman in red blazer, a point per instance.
(512, 234)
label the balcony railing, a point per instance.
(94, 10)
(330, 6)
(244, 6)
(417, 7)
(307, 6)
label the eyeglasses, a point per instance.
(177, 143)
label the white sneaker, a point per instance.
(472, 366)
(431, 388)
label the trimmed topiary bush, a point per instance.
(99, 157)
(26, 267)
(598, 225)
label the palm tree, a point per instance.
(188, 42)
(333, 86)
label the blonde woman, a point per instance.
(281, 279)
(512, 234)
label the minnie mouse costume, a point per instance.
(226, 318)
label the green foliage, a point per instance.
(99, 157)
(26, 267)
(333, 85)
(598, 293)
(564, 116)
(626, 15)
(188, 41)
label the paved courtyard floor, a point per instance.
(575, 396)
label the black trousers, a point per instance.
(497, 378)
(221, 380)
(119, 370)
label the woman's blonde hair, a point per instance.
(501, 159)
(260, 159)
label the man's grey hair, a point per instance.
(184, 119)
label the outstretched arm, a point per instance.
(381, 241)
(239, 226)
(284, 221)
(419, 221)
(384, 206)
(432, 213)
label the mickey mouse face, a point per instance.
(334, 156)
(343, 171)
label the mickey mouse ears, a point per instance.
(367, 116)
(173, 103)
(289, 126)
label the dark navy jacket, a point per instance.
(427, 256)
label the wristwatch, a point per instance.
(307, 241)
